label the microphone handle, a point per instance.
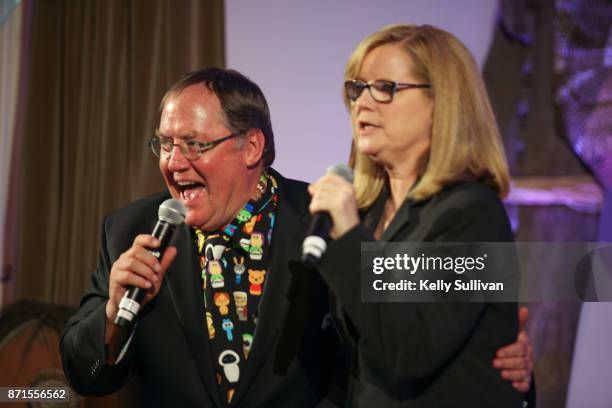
(130, 303)
(321, 225)
(315, 244)
(163, 231)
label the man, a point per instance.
(228, 317)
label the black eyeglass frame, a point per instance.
(362, 85)
(203, 146)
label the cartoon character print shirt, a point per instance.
(234, 265)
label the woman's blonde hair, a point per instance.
(465, 141)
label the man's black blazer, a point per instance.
(294, 351)
(424, 354)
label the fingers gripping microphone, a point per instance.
(315, 244)
(171, 214)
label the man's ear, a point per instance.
(253, 148)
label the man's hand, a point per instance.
(515, 361)
(136, 267)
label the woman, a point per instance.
(429, 166)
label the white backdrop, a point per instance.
(296, 51)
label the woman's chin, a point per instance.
(373, 152)
(368, 148)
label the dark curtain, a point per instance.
(96, 74)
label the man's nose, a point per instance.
(177, 160)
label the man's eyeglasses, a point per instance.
(191, 149)
(381, 90)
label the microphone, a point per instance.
(171, 214)
(315, 244)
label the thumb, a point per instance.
(167, 259)
(523, 315)
(311, 188)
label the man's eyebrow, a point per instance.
(188, 136)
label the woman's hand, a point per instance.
(335, 195)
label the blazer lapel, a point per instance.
(400, 220)
(183, 280)
(289, 230)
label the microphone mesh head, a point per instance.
(342, 170)
(172, 211)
